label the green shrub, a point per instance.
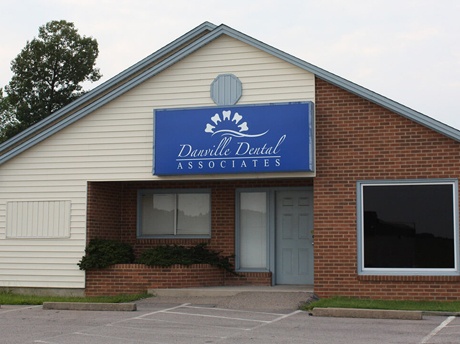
(101, 253)
(168, 255)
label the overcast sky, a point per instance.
(406, 50)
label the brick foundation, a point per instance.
(138, 278)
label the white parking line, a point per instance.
(161, 311)
(218, 317)
(278, 319)
(176, 311)
(147, 314)
(262, 322)
(437, 329)
(176, 322)
(232, 310)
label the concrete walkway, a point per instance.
(277, 298)
(232, 291)
(281, 299)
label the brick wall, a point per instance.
(103, 212)
(138, 278)
(119, 223)
(358, 140)
(222, 215)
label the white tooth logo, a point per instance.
(209, 128)
(229, 125)
(237, 117)
(243, 127)
(216, 119)
(227, 115)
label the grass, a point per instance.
(346, 302)
(8, 298)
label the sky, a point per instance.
(405, 50)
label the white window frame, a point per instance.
(406, 271)
(175, 192)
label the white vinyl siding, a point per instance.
(115, 143)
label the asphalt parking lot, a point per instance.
(167, 321)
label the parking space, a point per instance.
(191, 324)
(159, 323)
(447, 331)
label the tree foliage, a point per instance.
(7, 118)
(47, 75)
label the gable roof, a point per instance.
(169, 55)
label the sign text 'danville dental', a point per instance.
(234, 139)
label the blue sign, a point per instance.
(234, 139)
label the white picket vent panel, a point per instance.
(38, 219)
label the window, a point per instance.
(408, 227)
(166, 214)
(253, 231)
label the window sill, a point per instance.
(172, 237)
(410, 278)
(252, 270)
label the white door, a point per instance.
(294, 237)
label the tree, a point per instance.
(47, 75)
(7, 118)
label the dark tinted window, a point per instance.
(408, 226)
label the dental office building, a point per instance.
(305, 177)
